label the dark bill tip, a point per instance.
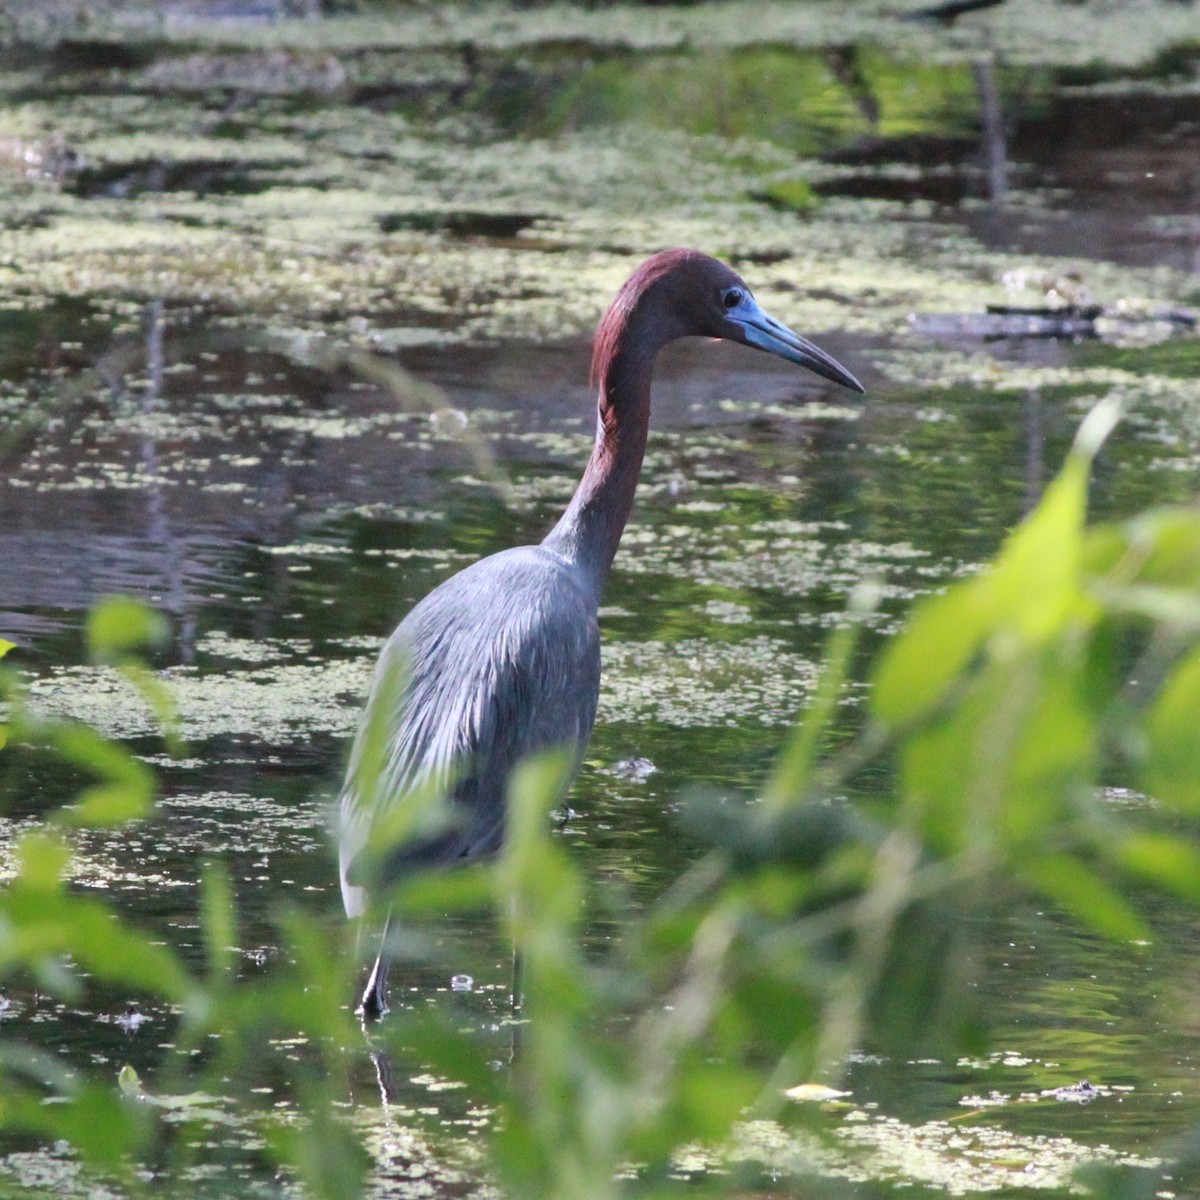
(765, 333)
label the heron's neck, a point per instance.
(589, 532)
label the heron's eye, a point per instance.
(732, 297)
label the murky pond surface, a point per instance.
(209, 234)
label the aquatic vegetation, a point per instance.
(951, 1159)
(702, 682)
(794, 558)
(267, 695)
(1085, 33)
(276, 704)
(370, 226)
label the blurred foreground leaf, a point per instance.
(1165, 860)
(41, 923)
(126, 790)
(5, 647)
(322, 1149)
(1173, 732)
(119, 629)
(100, 1123)
(119, 625)
(1087, 897)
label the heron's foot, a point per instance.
(373, 1004)
(371, 1008)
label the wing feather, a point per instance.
(499, 662)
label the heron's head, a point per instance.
(679, 293)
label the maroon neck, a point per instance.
(590, 530)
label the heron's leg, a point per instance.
(516, 1021)
(373, 1004)
(516, 1001)
(517, 998)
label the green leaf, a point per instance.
(1149, 567)
(218, 921)
(1079, 890)
(792, 776)
(324, 1152)
(42, 860)
(1035, 584)
(313, 995)
(536, 786)
(1052, 754)
(1094, 429)
(41, 924)
(97, 1122)
(1172, 765)
(1171, 863)
(711, 1097)
(446, 1052)
(159, 699)
(1162, 606)
(118, 625)
(126, 790)
(1169, 543)
(1160, 548)
(392, 818)
(998, 770)
(430, 893)
(920, 664)
(937, 770)
(5, 647)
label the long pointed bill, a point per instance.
(762, 331)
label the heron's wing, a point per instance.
(501, 661)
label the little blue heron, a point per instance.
(502, 660)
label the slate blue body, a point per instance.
(502, 660)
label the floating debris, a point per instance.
(817, 1093)
(1078, 1093)
(632, 770)
(131, 1020)
(1070, 321)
